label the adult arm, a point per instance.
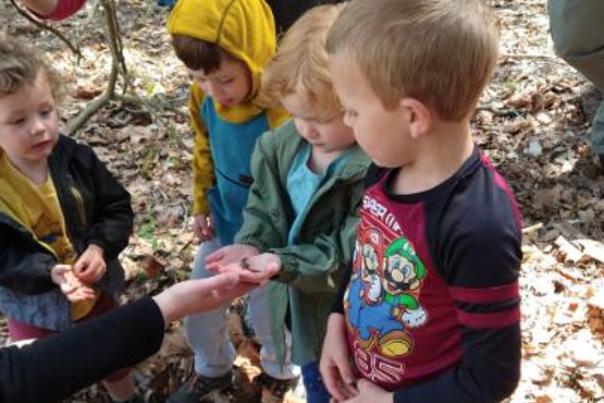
(58, 366)
(55, 367)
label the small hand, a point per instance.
(256, 269)
(203, 227)
(370, 392)
(228, 255)
(335, 365)
(90, 266)
(63, 276)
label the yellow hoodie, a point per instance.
(246, 30)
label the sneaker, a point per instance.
(273, 389)
(199, 387)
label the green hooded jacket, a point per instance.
(310, 268)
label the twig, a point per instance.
(95, 105)
(114, 37)
(29, 17)
(542, 57)
(117, 63)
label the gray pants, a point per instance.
(208, 337)
(577, 28)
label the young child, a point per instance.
(225, 45)
(429, 311)
(302, 209)
(63, 217)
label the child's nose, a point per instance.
(214, 90)
(310, 131)
(37, 127)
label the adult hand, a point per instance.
(228, 255)
(335, 365)
(74, 290)
(203, 227)
(200, 295)
(90, 266)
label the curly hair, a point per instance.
(20, 65)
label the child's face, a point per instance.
(382, 133)
(229, 85)
(325, 133)
(29, 125)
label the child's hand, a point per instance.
(335, 365)
(90, 266)
(203, 227)
(370, 392)
(63, 276)
(256, 269)
(229, 255)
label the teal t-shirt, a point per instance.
(303, 183)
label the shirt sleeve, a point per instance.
(24, 271)
(113, 216)
(64, 9)
(53, 368)
(203, 166)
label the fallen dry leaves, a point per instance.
(531, 122)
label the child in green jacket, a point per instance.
(300, 218)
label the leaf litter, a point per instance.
(531, 121)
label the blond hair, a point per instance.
(441, 52)
(20, 65)
(301, 65)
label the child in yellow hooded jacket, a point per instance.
(225, 45)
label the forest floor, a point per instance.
(531, 122)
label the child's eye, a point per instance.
(17, 122)
(46, 112)
(225, 82)
(325, 121)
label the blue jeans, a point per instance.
(316, 392)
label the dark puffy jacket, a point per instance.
(97, 211)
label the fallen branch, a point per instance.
(542, 57)
(98, 103)
(118, 65)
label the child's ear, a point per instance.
(420, 117)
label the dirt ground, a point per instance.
(531, 121)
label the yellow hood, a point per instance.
(244, 28)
